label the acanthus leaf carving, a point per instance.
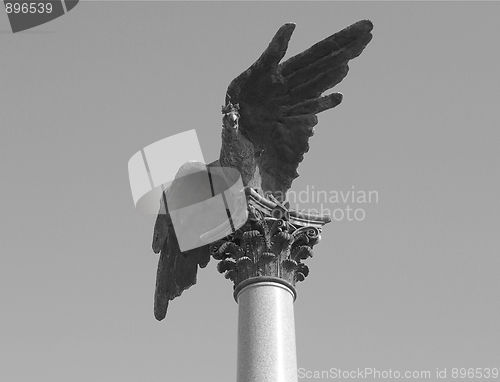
(273, 242)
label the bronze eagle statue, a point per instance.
(269, 114)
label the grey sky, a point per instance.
(414, 286)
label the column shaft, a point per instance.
(266, 333)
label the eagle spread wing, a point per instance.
(278, 102)
(176, 269)
(277, 106)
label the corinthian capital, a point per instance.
(273, 242)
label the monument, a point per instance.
(268, 117)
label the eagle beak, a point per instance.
(231, 115)
(233, 118)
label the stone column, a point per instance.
(266, 331)
(264, 260)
